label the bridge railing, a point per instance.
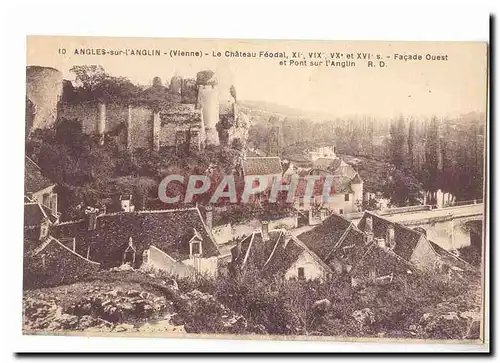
(464, 202)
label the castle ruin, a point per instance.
(198, 119)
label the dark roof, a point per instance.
(283, 257)
(351, 248)
(255, 251)
(35, 214)
(382, 260)
(357, 179)
(34, 181)
(406, 239)
(327, 163)
(168, 230)
(323, 238)
(450, 258)
(262, 165)
(286, 253)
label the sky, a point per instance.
(411, 88)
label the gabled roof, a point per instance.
(255, 251)
(357, 179)
(265, 165)
(286, 253)
(168, 230)
(34, 181)
(35, 214)
(323, 238)
(406, 239)
(450, 258)
(382, 260)
(351, 247)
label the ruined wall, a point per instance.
(43, 89)
(87, 113)
(141, 127)
(116, 115)
(167, 135)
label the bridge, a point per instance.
(450, 227)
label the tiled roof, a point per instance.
(168, 230)
(283, 257)
(340, 185)
(323, 238)
(35, 214)
(255, 251)
(351, 248)
(406, 239)
(450, 258)
(327, 163)
(34, 181)
(286, 254)
(262, 165)
(382, 260)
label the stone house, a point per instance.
(412, 246)
(177, 241)
(38, 188)
(266, 166)
(276, 254)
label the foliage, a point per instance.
(403, 189)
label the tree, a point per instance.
(403, 189)
(89, 77)
(232, 91)
(397, 144)
(411, 143)
(431, 165)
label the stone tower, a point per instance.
(208, 102)
(43, 90)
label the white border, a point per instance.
(360, 20)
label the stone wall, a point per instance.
(141, 127)
(87, 113)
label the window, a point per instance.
(346, 197)
(195, 248)
(341, 211)
(301, 273)
(301, 202)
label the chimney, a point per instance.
(369, 229)
(209, 216)
(265, 230)
(390, 239)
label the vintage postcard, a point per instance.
(255, 189)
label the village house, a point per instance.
(53, 263)
(266, 166)
(176, 241)
(412, 246)
(377, 250)
(276, 254)
(37, 219)
(38, 188)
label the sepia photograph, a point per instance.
(255, 189)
